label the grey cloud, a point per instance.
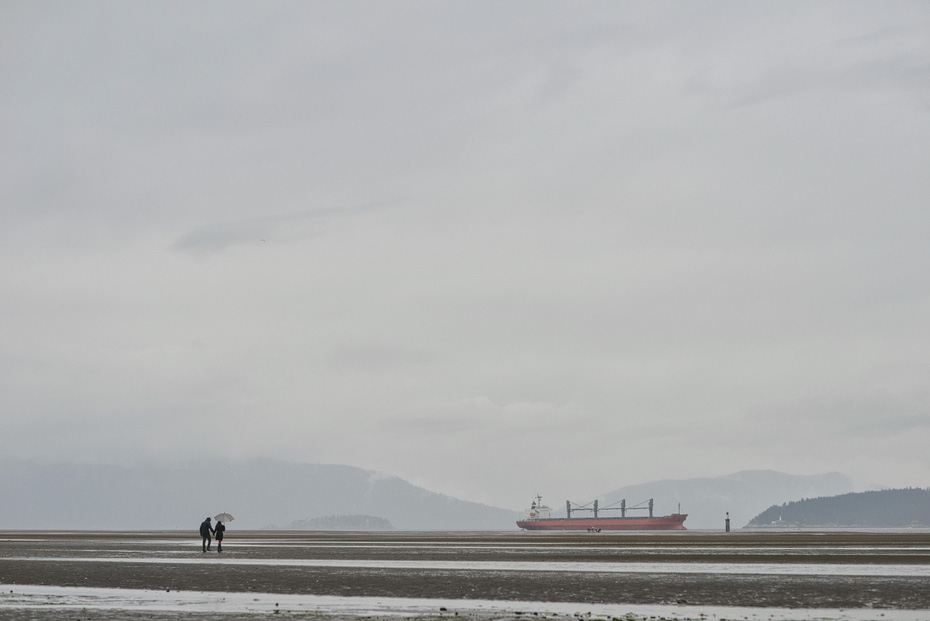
(270, 228)
(874, 416)
(376, 358)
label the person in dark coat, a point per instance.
(219, 530)
(205, 531)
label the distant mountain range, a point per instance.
(742, 495)
(259, 493)
(890, 508)
(267, 493)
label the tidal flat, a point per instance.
(471, 575)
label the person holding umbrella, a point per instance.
(220, 529)
(205, 531)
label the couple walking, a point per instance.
(206, 530)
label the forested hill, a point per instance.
(892, 508)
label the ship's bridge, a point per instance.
(537, 510)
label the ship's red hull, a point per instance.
(666, 522)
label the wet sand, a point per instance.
(801, 571)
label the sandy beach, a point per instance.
(441, 574)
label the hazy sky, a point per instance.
(494, 248)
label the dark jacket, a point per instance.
(205, 529)
(219, 530)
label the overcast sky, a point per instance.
(494, 248)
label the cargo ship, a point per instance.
(538, 517)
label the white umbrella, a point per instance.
(224, 517)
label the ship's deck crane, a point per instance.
(593, 507)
